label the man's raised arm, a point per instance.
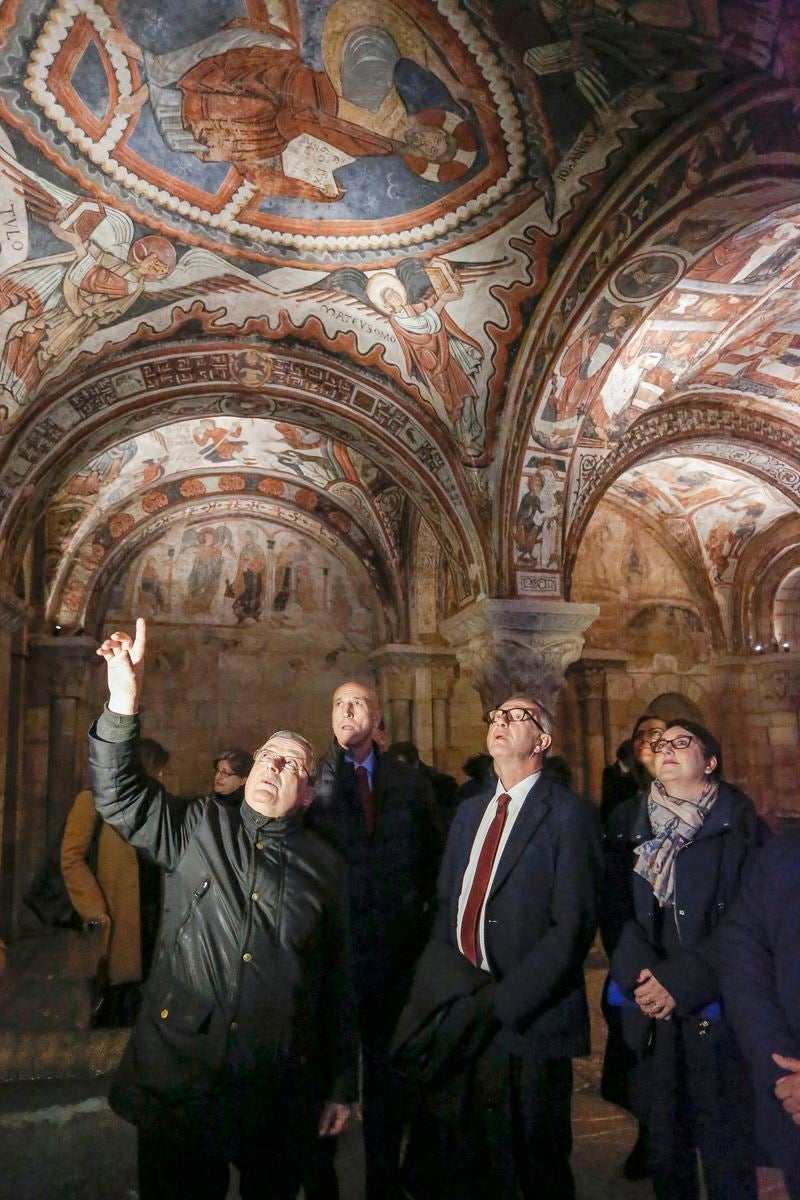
(138, 807)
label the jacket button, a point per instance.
(254, 896)
(681, 912)
(164, 1014)
(234, 1025)
(246, 957)
(259, 845)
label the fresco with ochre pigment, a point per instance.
(250, 157)
(238, 573)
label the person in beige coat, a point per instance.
(119, 893)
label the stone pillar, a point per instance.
(55, 728)
(414, 685)
(759, 728)
(520, 646)
(12, 690)
(595, 741)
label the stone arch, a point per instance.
(128, 520)
(669, 684)
(760, 442)
(630, 222)
(767, 562)
(99, 587)
(670, 705)
(298, 386)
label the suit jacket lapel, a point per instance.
(534, 809)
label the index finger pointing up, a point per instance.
(140, 641)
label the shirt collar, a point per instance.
(370, 762)
(520, 790)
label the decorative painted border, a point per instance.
(55, 31)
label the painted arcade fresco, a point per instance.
(141, 157)
(710, 510)
(488, 234)
(238, 573)
(121, 490)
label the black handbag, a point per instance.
(47, 897)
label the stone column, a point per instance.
(414, 684)
(55, 729)
(12, 691)
(520, 646)
(591, 686)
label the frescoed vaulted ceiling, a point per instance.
(393, 273)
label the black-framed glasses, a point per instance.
(512, 715)
(680, 743)
(295, 766)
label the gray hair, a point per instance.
(311, 754)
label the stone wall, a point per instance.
(659, 632)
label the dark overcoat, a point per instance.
(708, 875)
(391, 876)
(540, 916)
(467, 1031)
(757, 953)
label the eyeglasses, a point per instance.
(227, 774)
(295, 766)
(680, 743)
(646, 735)
(512, 715)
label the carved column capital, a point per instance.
(12, 609)
(399, 663)
(518, 645)
(64, 662)
(591, 670)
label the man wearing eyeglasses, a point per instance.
(499, 1001)
(242, 1051)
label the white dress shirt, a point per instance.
(517, 793)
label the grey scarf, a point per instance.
(674, 824)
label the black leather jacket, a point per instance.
(249, 977)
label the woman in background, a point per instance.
(113, 887)
(619, 1062)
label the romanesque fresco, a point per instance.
(711, 510)
(380, 261)
(161, 471)
(239, 574)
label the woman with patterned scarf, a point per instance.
(690, 835)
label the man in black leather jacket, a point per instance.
(242, 1051)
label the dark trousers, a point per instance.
(501, 1129)
(264, 1122)
(175, 1165)
(382, 1114)
(698, 1098)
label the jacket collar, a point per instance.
(269, 827)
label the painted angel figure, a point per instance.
(64, 298)
(243, 95)
(203, 583)
(68, 296)
(440, 355)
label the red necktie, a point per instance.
(480, 882)
(365, 797)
